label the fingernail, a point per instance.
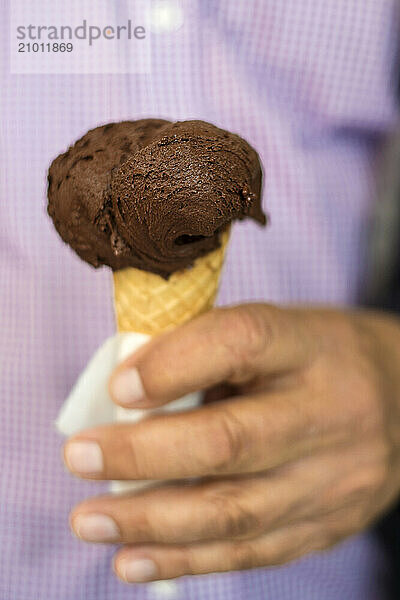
(84, 457)
(127, 388)
(96, 528)
(138, 570)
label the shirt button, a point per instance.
(166, 16)
(164, 590)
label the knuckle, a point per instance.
(230, 443)
(141, 528)
(246, 334)
(189, 560)
(228, 517)
(252, 328)
(243, 556)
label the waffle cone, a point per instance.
(147, 303)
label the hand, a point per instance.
(302, 453)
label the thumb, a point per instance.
(232, 345)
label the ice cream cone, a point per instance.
(147, 303)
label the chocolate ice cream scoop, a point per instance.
(152, 194)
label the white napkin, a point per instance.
(89, 403)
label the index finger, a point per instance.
(225, 345)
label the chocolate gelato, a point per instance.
(152, 194)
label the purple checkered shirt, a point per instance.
(308, 83)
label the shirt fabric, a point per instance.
(309, 85)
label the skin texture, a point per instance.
(152, 194)
(299, 451)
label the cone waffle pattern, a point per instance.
(147, 303)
